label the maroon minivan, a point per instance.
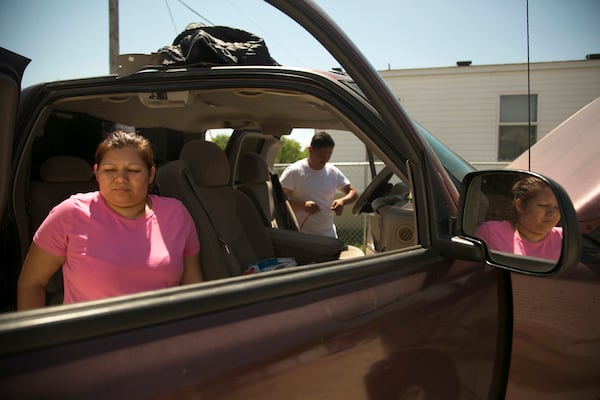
(422, 308)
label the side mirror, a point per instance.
(521, 220)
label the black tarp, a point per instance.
(200, 44)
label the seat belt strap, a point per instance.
(281, 200)
(234, 266)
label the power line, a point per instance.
(264, 32)
(195, 12)
(171, 15)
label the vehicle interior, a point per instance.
(240, 216)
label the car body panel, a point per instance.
(545, 336)
(264, 348)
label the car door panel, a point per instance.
(372, 325)
(542, 331)
(12, 67)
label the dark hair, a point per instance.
(527, 188)
(322, 139)
(120, 139)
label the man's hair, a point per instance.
(322, 139)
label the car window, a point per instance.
(383, 207)
(76, 125)
(454, 164)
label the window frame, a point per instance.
(502, 155)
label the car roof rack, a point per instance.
(129, 64)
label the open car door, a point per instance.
(12, 67)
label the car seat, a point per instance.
(255, 179)
(231, 232)
(61, 177)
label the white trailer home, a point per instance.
(480, 111)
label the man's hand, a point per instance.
(338, 206)
(350, 195)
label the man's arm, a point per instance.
(309, 206)
(350, 195)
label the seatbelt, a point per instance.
(232, 261)
(281, 200)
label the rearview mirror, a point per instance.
(523, 221)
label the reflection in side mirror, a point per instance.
(520, 217)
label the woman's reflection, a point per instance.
(531, 229)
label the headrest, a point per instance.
(65, 169)
(252, 168)
(207, 162)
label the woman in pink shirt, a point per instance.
(532, 231)
(116, 241)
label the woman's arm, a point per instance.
(191, 270)
(38, 268)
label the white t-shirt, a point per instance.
(319, 186)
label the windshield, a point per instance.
(454, 164)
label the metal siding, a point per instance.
(459, 105)
(348, 149)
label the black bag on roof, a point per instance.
(199, 44)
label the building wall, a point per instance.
(460, 105)
(349, 155)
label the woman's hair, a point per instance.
(322, 139)
(527, 188)
(119, 139)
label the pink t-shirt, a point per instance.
(501, 236)
(108, 255)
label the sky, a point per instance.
(70, 38)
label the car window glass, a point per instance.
(454, 164)
(383, 217)
(77, 125)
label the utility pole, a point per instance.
(113, 32)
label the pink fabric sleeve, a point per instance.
(51, 235)
(498, 235)
(484, 232)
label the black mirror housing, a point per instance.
(501, 211)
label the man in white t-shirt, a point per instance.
(311, 184)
